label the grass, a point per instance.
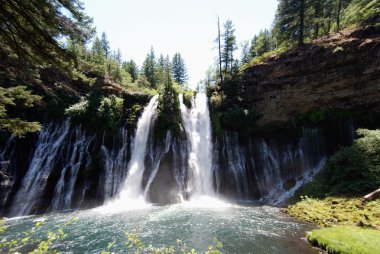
(346, 239)
(336, 211)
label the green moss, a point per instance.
(238, 119)
(336, 211)
(346, 239)
(319, 116)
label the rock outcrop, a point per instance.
(336, 72)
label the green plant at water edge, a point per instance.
(30, 243)
(336, 211)
(137, 246)
(346, 239)
(353, 171)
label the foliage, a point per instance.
(136, 245)
(132, 68)
(179, 70)
(33, 29)
(238, 119)
(290, 21)
(228, 47)
(352, 171)
(149, 67)
(110, 111)
(260, 59)
(31, 241)
(336, 211)
(168, 110)
(346, 239)
(105, 111)
(12, 97)
(318, 116)
(358, 11)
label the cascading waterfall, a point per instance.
(115, 162)
(198, 129)
(68, 169)
(76, 153)
(236, 164)
(6, 176)
(44, 160)
(156, 159)
(132, 193)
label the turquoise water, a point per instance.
(242, 229)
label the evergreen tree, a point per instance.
(132, 68)
(97, 52)
(12, 97)
(262, 43)
(290, 21)
(246, 53)
(105, 45)
(31, 29)
(149, 68)
(179, 70)
(229, 46)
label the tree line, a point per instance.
(103, 61)
(40, 35)
(296, 22)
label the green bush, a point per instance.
(352, 171)
(168, 111)
(239, 119)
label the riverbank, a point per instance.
(334, 200)
(346, 225)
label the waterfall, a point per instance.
(132, 192)
(156, 159)
(6, 175)
(236, 164)
(114, 162)
(43, 162)
(77, 151)
(198, 129)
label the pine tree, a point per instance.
(229, 46)
(149, 68)
(105, 45)
(97, 52)
(290, 21)
(262, 43)
(31, 29)
(179, 70)
(132, 68)
(246, 53)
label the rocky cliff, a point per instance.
(341, 71)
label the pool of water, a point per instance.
(241, 229)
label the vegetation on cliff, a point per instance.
(54, 64)
(334, 197)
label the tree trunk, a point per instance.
(302, 22)
(338, 14)
(373, 195)
(220, 54)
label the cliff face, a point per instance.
(336, 72)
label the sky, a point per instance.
(170, 26)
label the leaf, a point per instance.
(111, 244)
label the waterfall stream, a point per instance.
(197, 125)
(67, 168)
(131, 193)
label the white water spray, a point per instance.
(132, 194)
(198, 129)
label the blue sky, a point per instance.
(170, 26)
